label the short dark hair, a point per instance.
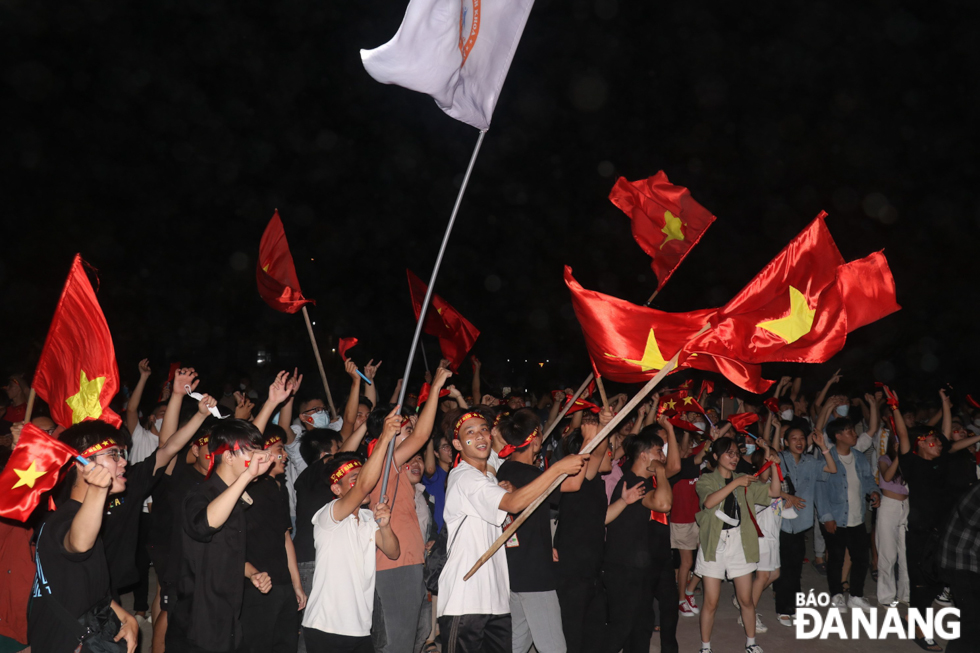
(643, 441)
(720, 446)
(83, 435)
(317, 442)
(307, 398)
(336, 463)
(272, 430)
(450, 419)
(230, 432)
(836, 426)
(376, 420)
(364, 401)
(516, 428)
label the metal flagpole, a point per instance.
(425, 303)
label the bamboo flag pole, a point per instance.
(588, 448)
(602, 392)
(319, 362)
(389, 457)
(30, 406)
(568, 404)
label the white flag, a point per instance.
(457, 51)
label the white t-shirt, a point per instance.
(144, 445)
(473, 521)
(854, 514)
(770, 518)
(422, 510)
(342, 599)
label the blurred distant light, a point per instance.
(334, 350)
(606, 169)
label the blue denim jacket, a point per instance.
(832, 488)
(804, 476)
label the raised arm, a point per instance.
(516, 501)
(430, 458)
(874, 417)
(179, 440)
(662, 496)
(398, 391)
(87, 522)
(475, 388)
(370, 472)
(947, 415)
(278, 393)
(423, 428)
(185, 376)
(818, 402)
(286, 412)
(888, 471)
(350, 410)
(354, 441)
(904, 446)
(557, 399)
(825, 411)
(830, 465)
(133, 405)
(219, 510)
(794, 391)
(673, 449)
(371, 389)
(458, 397)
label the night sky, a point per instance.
(157, 138)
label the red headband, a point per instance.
(344, 470)
(464, 417)
(509, 449)
(224, 448)
(274, 440)
(96, 448)
(202, 441)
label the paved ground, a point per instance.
(729, 637)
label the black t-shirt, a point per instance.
(210, 572)
(267, 523)
(162, 512)
(929, 491)
(744, 467)
(529, 556)
(312, 493)
(183, 480)
(962, 474)
(76, 580)
(581, 534)
(120, 523)
(635, 539)
(689, 469)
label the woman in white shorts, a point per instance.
(770, 519)
(729, 535)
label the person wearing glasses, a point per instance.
(73, 576)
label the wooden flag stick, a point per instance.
(568, 404)
(602, 392)
(30, 407)
(592, 444)
(319, 363)
(652, 297)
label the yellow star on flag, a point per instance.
(688, 400)
(670, 404)
(673, 228)
(652, 358)
(795, 325)
(86, 403)
(28, 476)
(265, 268)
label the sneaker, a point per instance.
(755, 648)
(684, 609)
(691, 603)
(858, 603)
(821, 567)
(759, 626)
(894, 604)
(839, 602)
(946, 598)
(704, 650)
(786, 620)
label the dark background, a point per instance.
(157, 139)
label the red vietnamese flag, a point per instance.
(797, 308)
(34, 468)
(707, 387)
(671, 404)
(275, 272)
(456, 335)
(343, 345)
(740, 421)
(424, 394)
(630, 343)
(582, 404)
(77, 373)
(667, 222)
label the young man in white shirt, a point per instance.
(341, 605)
(474, 615)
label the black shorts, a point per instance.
(161, 559)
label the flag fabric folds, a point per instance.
(34, 468)
(667, 221)
(77, 374)
(630, 343)
(457, 51)
(343, 345)
(275, 272)
(456, 335)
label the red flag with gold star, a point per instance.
(456, 335)
(77, 374)
(630, 343)
(802, 305)
(275, 272)
(34, 468)
(667, 222)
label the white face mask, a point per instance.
(786, 415)
(749, 449)
(241, 386)
(842, 410)
(700, 425)
(321, 420)
(158, 424)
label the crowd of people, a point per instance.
(277, 530)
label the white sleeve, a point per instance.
(144, 444)
(484, 496)
(863, 442)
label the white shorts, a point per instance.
(768, 554)
(729, 558)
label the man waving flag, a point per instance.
(457, 51)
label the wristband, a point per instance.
(824, 451)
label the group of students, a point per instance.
(278, 532)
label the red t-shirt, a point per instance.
(685, 504)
